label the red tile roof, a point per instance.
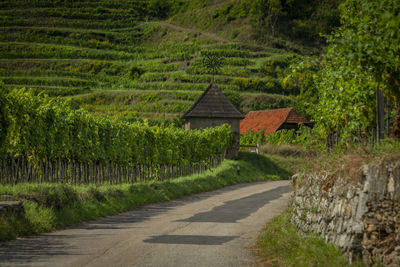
(269, 120)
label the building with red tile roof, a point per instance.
(272, 120)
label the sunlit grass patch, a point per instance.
(280, 244)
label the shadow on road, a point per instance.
(190, 239)
(33, 249)
(238, 209)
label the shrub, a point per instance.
(252, 138)
(135, 72)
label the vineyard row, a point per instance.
(41, 129)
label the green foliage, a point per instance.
(301, 82)
(367, 43)
(282, 245)
(267, 13)
(253, 138)
(135, 72)
(229, 12)
(235, 98)
(277, 64)
(43, 128)
(54, 92)
(159, 8)
(361, 57)
(66, 48)
(4, 119)
(305, 136)
(346, 101)
(368, 39)
(266, 101)
(267, 85)
(213, 62)
(298, 19)
(31, 50)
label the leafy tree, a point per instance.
(135, 72)
(159, 8)
(301, 82)
(368, 40)
(212, 62)
(346, 101)
(268, 12)
(300, 19)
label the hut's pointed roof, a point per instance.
(213, 104)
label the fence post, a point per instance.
(380, 115)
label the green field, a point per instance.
(114, 58)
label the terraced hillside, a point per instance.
(114, 57)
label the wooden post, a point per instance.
(380, 115)
(388, 117)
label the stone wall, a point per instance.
(359, 215)
(11, 207)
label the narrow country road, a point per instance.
(216, 228)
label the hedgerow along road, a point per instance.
(216, 228)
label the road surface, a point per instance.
(215, 228)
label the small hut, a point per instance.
(212, 109)
(270, 121)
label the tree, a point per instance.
(212, 62)
(345, 101)
(267, 14)
(369, 40)
(159, 8)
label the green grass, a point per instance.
(54, 206)
(280, 244)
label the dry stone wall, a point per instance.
(361, 217)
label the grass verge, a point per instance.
(280, 244)
(54, 206)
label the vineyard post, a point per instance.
(29, 171)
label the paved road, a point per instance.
(216, 228)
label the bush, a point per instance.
(135, 72)
(304, 136)
(252, 138)
(159, 8)
(269, 85)
(275, 65)
(264, 101)
(286, 150)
